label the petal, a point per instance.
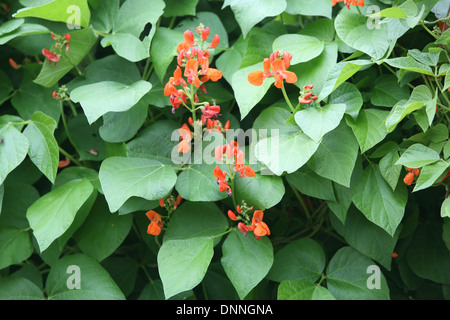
(154, 228)
(153, 215)
(256, 78)
(290, 76)
(257, 216)
(261, 229)
(214, 74)
(249, 172)
(184, 146)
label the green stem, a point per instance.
(300, 199)
(72, 107)
(66, 129)
(444, 94)
(428, 30)
(287, 99)
(223, 233)
(8, 97)
(65, 153)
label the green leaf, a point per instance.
(75, 12)
(100, 98)
(81, 41)
(15, 246)
(246, 260)
(155, 142)
(373, 196)
(285, 152)
(19, 288)
(52, 214)
(430, 174)
(178, 8)
(247, 15)
(387, 92)
(302, 290)
(417, 156)
(163, 49)
(122, 126)
(122, 178)
(183, 263)
(103, 15)
(445, 208)
(366, 237)
(102, 232)
(304, 7)
(318, 121)
(409, 64)
(427, 254)
(13, 149)
(390, 12)
(302, 259)
(95, 282)
(197, 183)
(389, 169)
(348, 94)
(351, 27)
(303, 48)
(25, 29)
(339, 73)
(369, 128)
(336, 155)
(43, 147)
(311, 184)
(196, 219)
(348, 277)
(261, 191)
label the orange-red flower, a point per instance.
(185, 139)
(221, 180)
(156, 223)
(278, 62)
(259, 227)
(348, 3)
(210, 111)
(215, 41)
(409, 177)
(191, 72)
(13, 64)
(63, 163)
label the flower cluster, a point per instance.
(274, 66)
(409, 177)
(193, 56)
(61, 93)
(60, 42)
(154, 228)
(235, 157)
(256, 225)
(306, 95)
(349, 3)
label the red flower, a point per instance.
(67, 36)
(186, 136)
(243, 228)
(279, 62)
(215, 42)
(51, 56)
(13, 64)
(63, 163)
(211, 111)
(220, 179)
(232, 216)
(156, 224)
(348, 3)
(259, 227)
(191, 72)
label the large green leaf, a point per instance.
(52, 214)
(100, 98)
(75, 12)
(197, 183)
(336, 155)
(303, 259)
(163, 49)
(43, 149)
(348, 94)
(23, 30)
(19, 288)
(15, 246)
(287, 152)
(246, 260)
(196, 219)
(387, 91)
(369, 128)
(248, 15)
(366, 237)
(303, 48)
(352, 28)
(318, 121)
(122, 178)
(102, 232)
(348, 275)
(183, 263)
(81, 41)
(373, 196)
(418, 155)
(95, 282)
(302, 290)
(13, 149)
(311, 184)
(304, 7)
(261, 191)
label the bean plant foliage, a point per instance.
(237, 150)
